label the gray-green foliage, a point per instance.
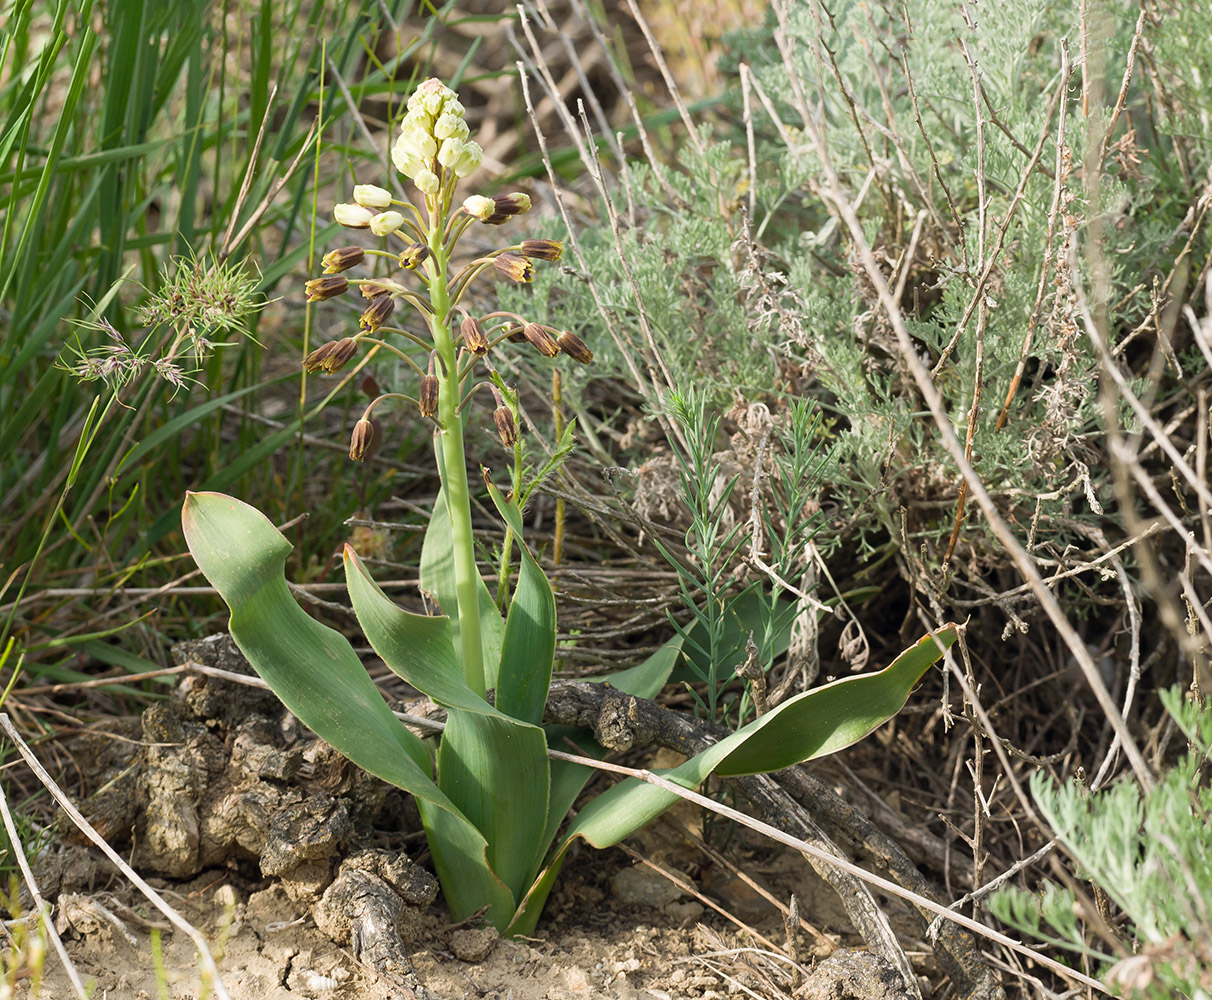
(775, 304)
(1150, 853)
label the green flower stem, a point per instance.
(454, 473)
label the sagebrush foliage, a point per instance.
(773, 305)
(1150, 854)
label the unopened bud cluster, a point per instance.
(434, 138)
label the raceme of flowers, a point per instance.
(434, 152)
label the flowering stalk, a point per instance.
(454, 464)
(435, 152)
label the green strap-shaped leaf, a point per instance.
(814, 724)
(492, 767)
(438, 579)
(528, 649)
(495, 770)
(319, 677)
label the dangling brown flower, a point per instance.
(342, 259)
(414, 255)
(331, 357)
(514, 266)
(507, 427)
(319, 289)
(575, 348)
(377, 312)
(542, 249)
(362, 440)
(474, 338)
(542, 339)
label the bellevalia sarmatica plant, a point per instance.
(498, 801)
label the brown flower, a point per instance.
(506, 206)
(542, 339)
(331, 357)
(319, 289)
(377, 312)
(428, 395)
(414, 255)
(507, 427)
(542, 249)
(514, 266)
(474, 338)
(362, 440)
(342, 259)
(575, 348)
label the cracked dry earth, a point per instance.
(272, 846)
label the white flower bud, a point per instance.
(432, 102)
(450, 127)
(352, 216)
(385, 223)
(450, 151)
(426, 181)
(423, 144)
(453, 107)
(469, 160)
(407, 162)
(370, 196)
(479, 207)
(418, 118)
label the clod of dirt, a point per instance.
(474, 944)
(641, 886)
(374, 905)
(850, 974)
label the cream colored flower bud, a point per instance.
(450, 151)
(453, 107)
(450, 127)
(426, 181)
(417, 118)
(469, 162)
(407, 162)
(432, 102)
(370, 196)
(386, 223)
(352, 216)
(479, 207)
(419, 143)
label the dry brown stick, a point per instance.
(883, 884)
(597, 708)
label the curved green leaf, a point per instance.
(528, 647)
(319, 677)
(814, 724)
(494, 768)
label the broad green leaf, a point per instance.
(495, 769)
(318, 676)
(528, 647)
(492, 767)
(814, 724)
(569, 779)
(438, 580)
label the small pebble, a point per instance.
(474, 945)
(641, 886)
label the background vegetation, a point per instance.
(775, 233)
